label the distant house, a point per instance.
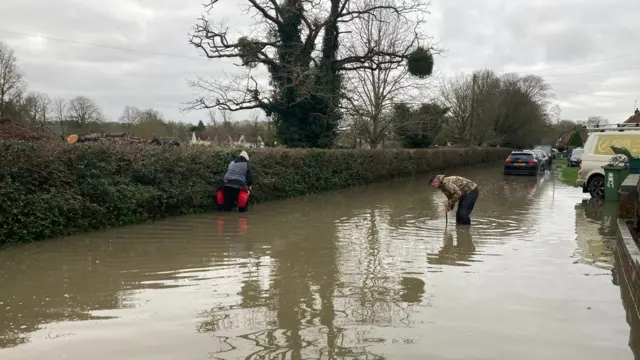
(634, 119)
(562, 141)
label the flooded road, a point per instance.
(367, 273)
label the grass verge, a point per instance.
(568, 175)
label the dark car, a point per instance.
(546, 159)
(524, 162)
(575, 157)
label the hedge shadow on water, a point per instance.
(55, 189)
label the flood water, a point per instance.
(368, 273)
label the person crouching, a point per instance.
(460, 190)
(236, 185)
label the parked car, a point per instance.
(524, 162)
(546, 159)
(545, 148)
(574, 158)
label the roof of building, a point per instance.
(633, 119)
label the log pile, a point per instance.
(124, 138)
(9, 130)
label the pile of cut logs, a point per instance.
(126, 138)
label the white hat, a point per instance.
(244, 155)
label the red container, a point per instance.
(220, 196)
(243, 198)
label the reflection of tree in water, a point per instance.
(459, 254)
(412, 290)
(300, 297)
(250, 312)
(373, 294)
(314, 307)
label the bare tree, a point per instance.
(213, 121)
(260, 47)
(60, 109)
(297, 42)
(130, 115)
(227, 117)
(371, 91)
(37, 109)
(456, 94)
(11, 79)
(84, 110)
(597, 121)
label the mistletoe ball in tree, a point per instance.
(420, 63)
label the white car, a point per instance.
(597, 152)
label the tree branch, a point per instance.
(234, 93)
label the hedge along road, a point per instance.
(370, 272)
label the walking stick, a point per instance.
(446, 217)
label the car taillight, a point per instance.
(533, 161)
(508, 161)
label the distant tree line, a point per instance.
(382, 101)
(82, 115)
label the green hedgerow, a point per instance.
(55, 189)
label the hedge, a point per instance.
(57, 189)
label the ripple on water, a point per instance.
(483, 228)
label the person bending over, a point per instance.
(460, 190)
(236, 184)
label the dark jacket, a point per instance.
(238, 174)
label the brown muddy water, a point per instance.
(367, 273)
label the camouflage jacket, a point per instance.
(454, 186)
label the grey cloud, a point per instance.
(516, 35)
(525, 36)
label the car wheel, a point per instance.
(596, 187)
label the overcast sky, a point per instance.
(562, 40)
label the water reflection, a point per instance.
(365, 273)
(460, 253)
(596, 232)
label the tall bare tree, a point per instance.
(37, 109)
(456, 94)
(130, 115)
(371, 91)
(60, 107)
(83, 111)
(11, 79)
(297, 42)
